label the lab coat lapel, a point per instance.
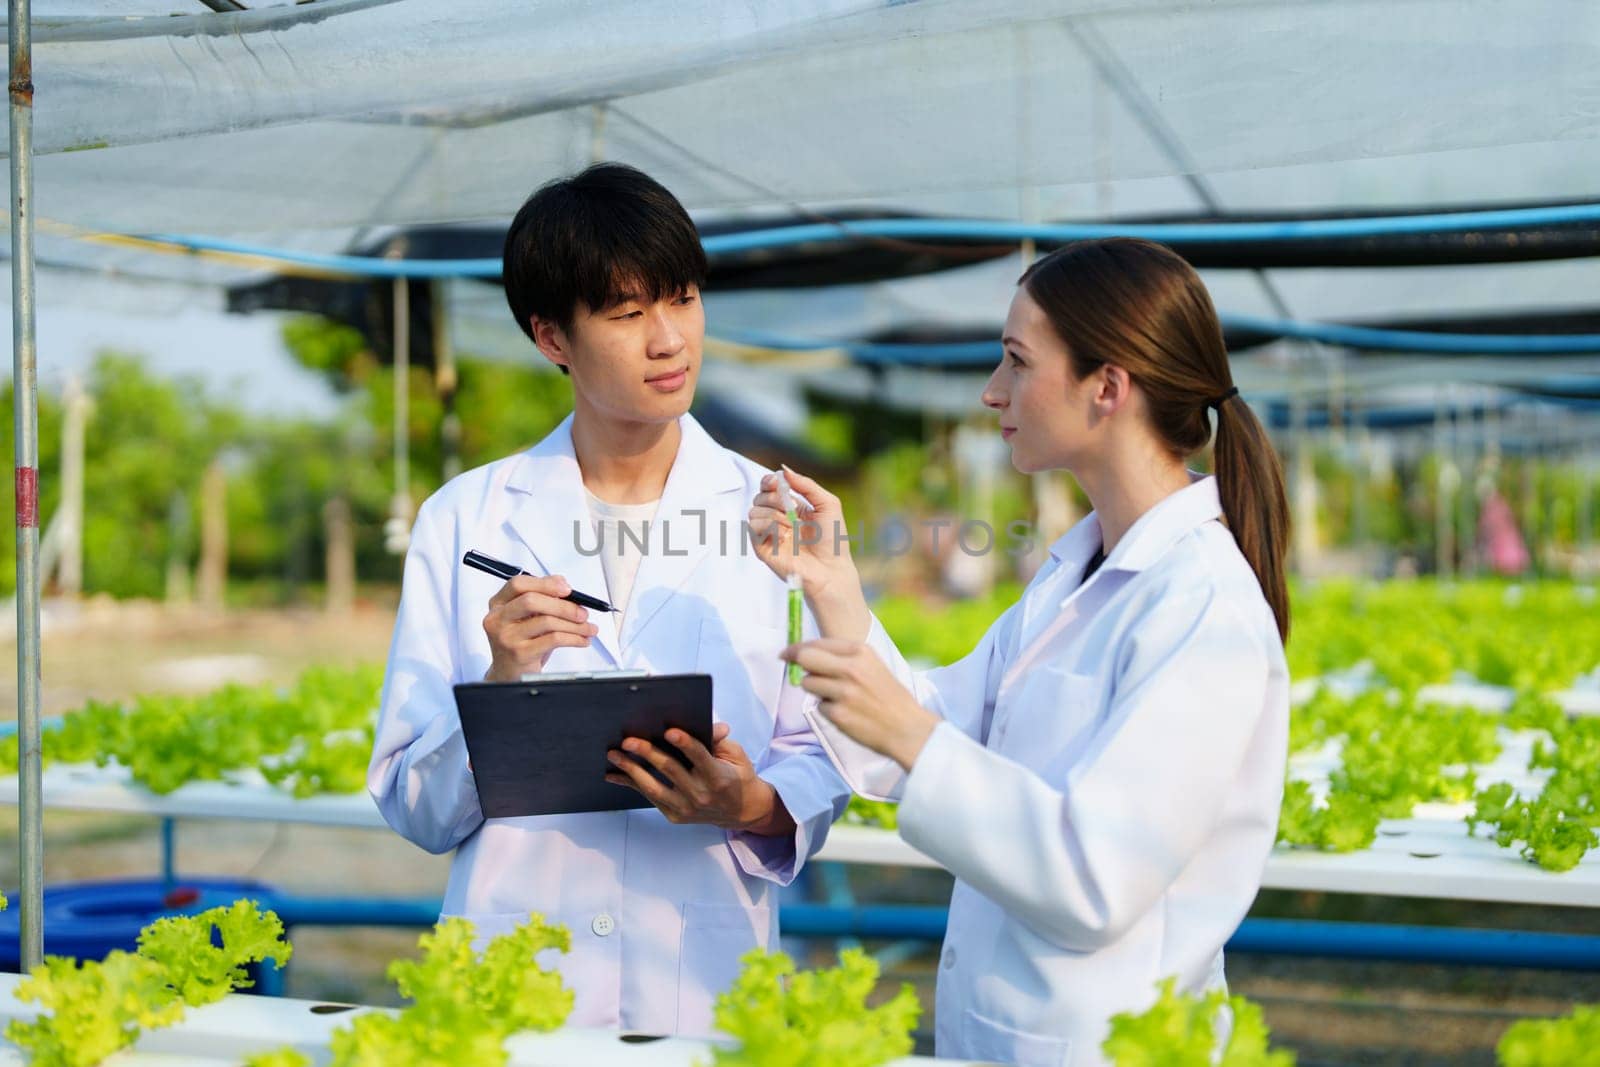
(1156, 531)
(699, 516)
(1160, 528)
(1068, 556)
(550, 515)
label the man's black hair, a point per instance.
(607, 232)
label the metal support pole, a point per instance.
(1548, 458)
(75, 404)
(445, 380)
(1467, 500)
(397, 530)
(402, 394)
(1301, 472)
(1361, 485)
(1587, 462)
(1444, 489)
(169, 854)
(836, 889)
(25, 421)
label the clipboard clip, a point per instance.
(582, 676)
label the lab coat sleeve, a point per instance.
(811, 790)
(419, 775)
(1081, 859)
(962, 693)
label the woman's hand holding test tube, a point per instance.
(858, 692)
(795, 587)
(799, 531)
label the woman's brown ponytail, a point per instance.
(1140, 306)
(1250, 483)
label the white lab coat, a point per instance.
(659, 913)
(1105, 785)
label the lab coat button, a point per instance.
(949, 959)
(603, 924)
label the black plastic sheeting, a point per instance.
(1321, 415)
(1551, 323)
(1241, 339)
(367, 305)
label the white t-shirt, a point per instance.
(620, 553)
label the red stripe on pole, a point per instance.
(27, 498)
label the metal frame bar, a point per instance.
(25, 423)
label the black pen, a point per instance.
(508, 571)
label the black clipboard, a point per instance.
(539, 747)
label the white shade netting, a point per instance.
(355, 112)
(318, 126)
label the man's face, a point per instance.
(635, 361)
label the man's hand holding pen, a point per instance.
(528, 620)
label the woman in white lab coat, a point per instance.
(1102, 773)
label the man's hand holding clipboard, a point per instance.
(719, 786)
(531, 616)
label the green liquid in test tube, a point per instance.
(793, 581)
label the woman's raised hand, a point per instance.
(861, 696)
(818, 550)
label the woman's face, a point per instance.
(1046, 415)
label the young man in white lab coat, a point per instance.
(629, 500)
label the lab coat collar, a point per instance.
(1145, 542)
(1074, 548)
(1148, 539)
(552, 519)
(555, 458)
(705, 479)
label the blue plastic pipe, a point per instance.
(1418, 944)
(902, 923)
(1289, 937)
(49, 722)
(886, 921)
(347, 911)
(984, 353)
(997, 230)
(1172, 233)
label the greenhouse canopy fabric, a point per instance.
(321, 126)
(348, 113)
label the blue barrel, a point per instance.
(86, 920)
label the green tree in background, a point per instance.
(148, 442)
(503, 405)
(277, 499)
(336, 351)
